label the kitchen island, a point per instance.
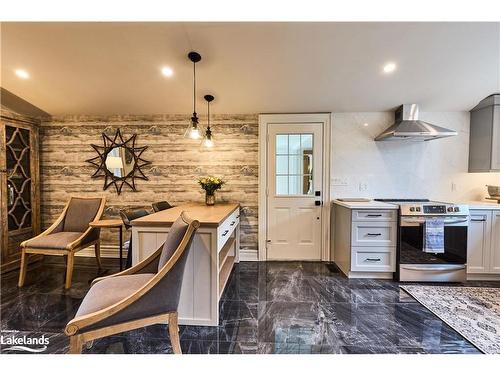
(214, 251)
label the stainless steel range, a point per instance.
(414, 263)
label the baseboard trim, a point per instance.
(109, 251)
(483, 277)
(249, 255)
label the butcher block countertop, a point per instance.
(210, 216)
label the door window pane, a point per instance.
(281, 185)
(294, 161)
(282, 164)
(294, 144)
(306, 141)
(282, 144)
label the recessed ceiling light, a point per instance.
(389, 67)
(167, 71)
(365, 124)
(21, 73)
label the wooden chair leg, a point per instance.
(69, 270)
(97, 247)
(173, 330)
(22, 270)
(75, 344)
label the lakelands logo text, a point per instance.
(24, 343)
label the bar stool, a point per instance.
(127, 216)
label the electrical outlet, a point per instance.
(339, 181)
(453, 186)
(363, 186)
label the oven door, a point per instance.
(411, 239)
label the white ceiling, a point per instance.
(114, 68)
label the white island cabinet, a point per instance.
(364, 239)
(214, 251)
(483, 248)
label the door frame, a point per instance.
(282, 118)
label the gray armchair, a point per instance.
(70, 233)
(146, 294)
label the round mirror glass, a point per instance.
(120, 161)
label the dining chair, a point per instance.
(160, 206)
(69, 234)
(127, 216)
(146, 294)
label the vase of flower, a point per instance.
(209, 198)
(210, 184)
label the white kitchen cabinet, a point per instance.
(479, 240)
(483, 250)
(364, 241)
(495, 242)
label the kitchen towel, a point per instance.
(434, 236)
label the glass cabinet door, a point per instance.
(18, 160)
(19, 214)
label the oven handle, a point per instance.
(445, 222)
(442, 268)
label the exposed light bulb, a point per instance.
(194, 133)
(207, 142)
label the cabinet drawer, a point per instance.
(226, 229)
(381, 260)
(373, 233)
(374, 215)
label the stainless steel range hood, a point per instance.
(409, 128)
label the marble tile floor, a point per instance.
(267, 307)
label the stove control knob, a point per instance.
(456, 209)
(450, 209)
(417, 209)
(412, 209)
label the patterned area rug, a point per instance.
(472, 311)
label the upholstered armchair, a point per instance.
(70, 233)
(146, 294)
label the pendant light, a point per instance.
(193, 130)
(208, 139)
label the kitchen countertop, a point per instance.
(366, 205)
(210, 216)
(482, 205)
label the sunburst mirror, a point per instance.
(119, 161)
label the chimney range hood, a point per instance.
(408, 127)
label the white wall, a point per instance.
(402, 169)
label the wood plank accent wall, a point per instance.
(176, 163)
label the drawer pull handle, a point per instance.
(478, 220)
(373, 234)
(225, 233)
(372, 260)
(374, 215)
(232, 223)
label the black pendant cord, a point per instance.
(208, 122)
(194, 88)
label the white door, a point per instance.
(294, 196)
